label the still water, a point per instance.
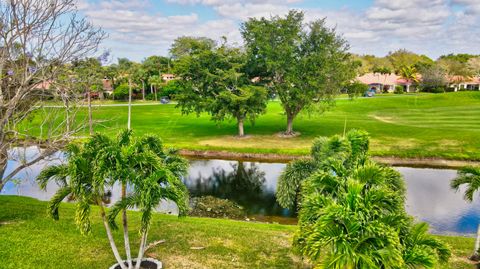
(252, 185)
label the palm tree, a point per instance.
(78, 181)
(142, 163)
(409, 74)
(352, 210)
(470, 176)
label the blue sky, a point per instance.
(140, 28)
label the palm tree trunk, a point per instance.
(476, 255)
(110, 238)
(143, 90)
(141, 251)
(90, 123)
(126, 239)
(129, 103)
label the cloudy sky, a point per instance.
(139, 28)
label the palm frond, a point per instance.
(53, 205)
(57, 173)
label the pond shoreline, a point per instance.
(283, 158)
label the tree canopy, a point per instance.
(305, 64)
(213, 80)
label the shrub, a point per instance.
(121, 92)
(356, 89)
(398, 90)
(352, 212)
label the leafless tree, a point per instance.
(38, 41)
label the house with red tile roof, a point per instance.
(385, 82)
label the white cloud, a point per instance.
(432, 27)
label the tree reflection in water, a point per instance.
(242, 183)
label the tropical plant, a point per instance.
(153, 173)
(470, 177)
(352, 210)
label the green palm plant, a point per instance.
(352, 211)
(79, 181)
(152, 172)
(470, 177)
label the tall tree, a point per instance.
(38, 40)
(305, 64)
(187, 45)
(470, 177)
(402, 57)
(213, 81)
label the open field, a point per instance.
(29, 239)
(416, 126)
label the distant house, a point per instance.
(458, 83)
(385, 83)
(168, 77)
(107, 86)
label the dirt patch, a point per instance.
(385, 119)
(284, 135)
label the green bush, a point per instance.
(171, 89)
(398, 89)
(438, 89)
(356, 89)
(121, 92)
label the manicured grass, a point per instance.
(422, 125)
(28, 239)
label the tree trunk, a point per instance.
(476, 255)
(240, 121)
(110, 238)
(90, 123)
(143, 90)
(155, 88)
(151, 88)
(290, 118)
(126, 239)
(129, 104)
(141, 251)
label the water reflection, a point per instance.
(253, 184)
(430, 199)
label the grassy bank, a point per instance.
(408, 126)
(28, 239)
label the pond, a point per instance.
(252, 185)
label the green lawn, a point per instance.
(423, 125)
(28, 239)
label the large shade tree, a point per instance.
(305, 64)
(213, 81)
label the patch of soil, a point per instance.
(285, 135)
(212, 207)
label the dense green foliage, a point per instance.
(305, 64)
(213, 81)
(352, 211)
(121, 91)
(153, 174)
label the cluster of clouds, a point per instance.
(431, 27)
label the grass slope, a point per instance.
(28, 239)
(423, 125)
